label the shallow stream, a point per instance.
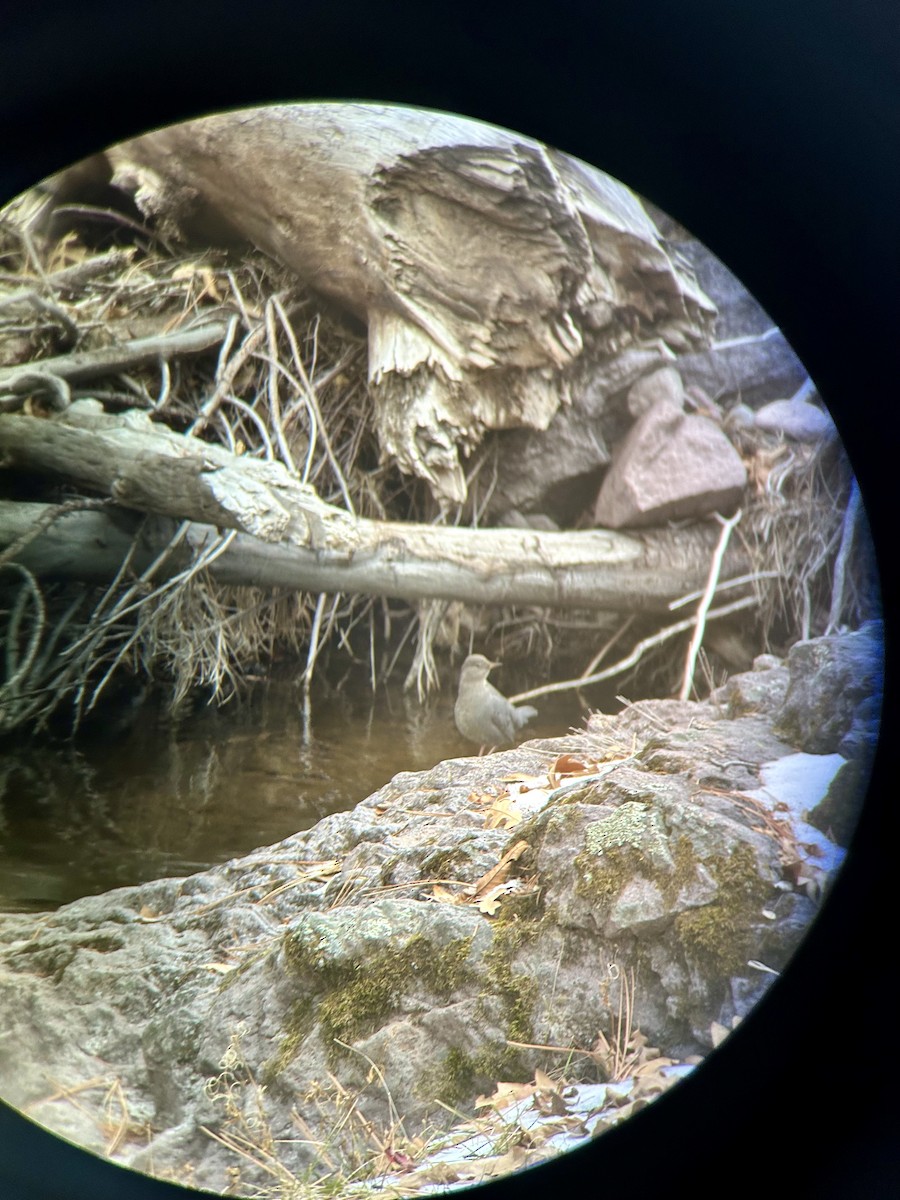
(170, 798)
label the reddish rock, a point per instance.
(671, 465)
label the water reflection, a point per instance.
(170, 798)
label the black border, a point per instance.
(772, 131)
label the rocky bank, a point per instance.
(413, 951)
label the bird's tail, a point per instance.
(524, 714)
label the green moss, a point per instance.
(719, 934)
(512, 932)
(387, 869)
(359, 995)
(530, 830)
(586, 793)
(461, 1076)
(453, 1082)
(444, 864)
(298, 1025)
(243, 967)
(601, 877)
(528, 907)
(685, 873)
(628, 841)
(447, 970)
(496, 1062)
(517, 994)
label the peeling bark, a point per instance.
(289, 537)
(594, 570)
(485, 265)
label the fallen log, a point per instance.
(590, 570)
(288, 537)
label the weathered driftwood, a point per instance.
(590, 570)
(485, 265)
(107, 360)
(72, 279)
(146, 466)
(289, 537)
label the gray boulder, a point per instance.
(833, 703)
(361, 971)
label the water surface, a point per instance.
(170, 798)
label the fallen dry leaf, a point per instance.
(653, 1066)
(398, 1161)
(438, 1173)
(549, 1102)
(568, 764)
(718, 1033)
(505, 1094)
(481, 798)
(490, 901)
(535, 797)
(648, 1086)
(515, 1158)
(503, 814)
(499, 873)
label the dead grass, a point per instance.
(289, 383)
(114, 1120)
(793, 530)
(345, 1160)
(353, 1157)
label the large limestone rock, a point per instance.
(150, 1022)
(796, 418)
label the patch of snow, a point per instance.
(799, 782)
(585, 1102)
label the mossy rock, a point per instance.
(719, 936)
(368, 993)
(356, 968)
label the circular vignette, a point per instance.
(833, 957)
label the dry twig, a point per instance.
(636, 654)
(703, 607)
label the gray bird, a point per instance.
(482, 714)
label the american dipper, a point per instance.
(482, 714)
